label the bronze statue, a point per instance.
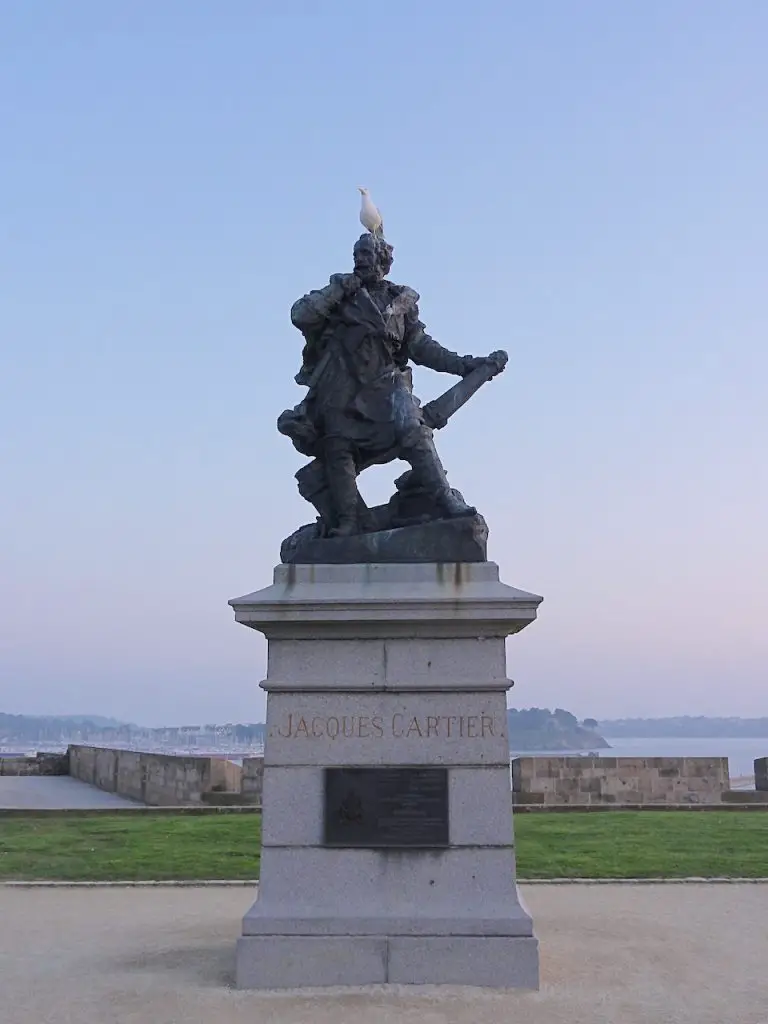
(360, 332)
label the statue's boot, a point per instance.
(313, 487)
(427, 466)
(346, 527)
(341, 477)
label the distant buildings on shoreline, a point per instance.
(21, 734)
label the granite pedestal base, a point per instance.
(301, 961)
(381, 666)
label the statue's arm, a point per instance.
(310, 312)
(425, 351)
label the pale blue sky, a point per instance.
(583, 184)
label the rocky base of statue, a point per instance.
(442, 540)
(409, 528)
(464, 539)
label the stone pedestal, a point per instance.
(387, 665)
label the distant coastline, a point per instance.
(530, 730)
(543, 731)
(685, 727)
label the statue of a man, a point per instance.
(360, 332)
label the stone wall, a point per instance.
(159, 780)
(619, 780)
(225, 775)
(761, 774)
(252, 780)
(168, 780)
(37, 764)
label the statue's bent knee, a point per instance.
(311, 479)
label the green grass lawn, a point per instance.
(126, 847)
(643, 844)
(616, 844)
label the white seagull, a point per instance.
(370, 217)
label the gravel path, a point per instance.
(43, 792)
(689, 954)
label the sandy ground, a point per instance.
(55, 791)
(687, 954)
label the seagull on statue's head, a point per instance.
(370, 217)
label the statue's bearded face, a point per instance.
(373, 260)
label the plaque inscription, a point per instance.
(386, 807)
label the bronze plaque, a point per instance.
(386, 807)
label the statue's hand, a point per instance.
(499, 359)
(350, 284)
(496, 360)
(342, 286)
